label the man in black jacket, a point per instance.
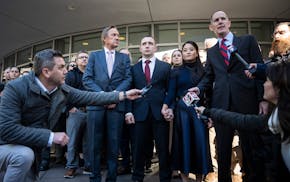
(76, 125)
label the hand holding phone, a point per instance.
(145, 89)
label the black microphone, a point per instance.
(233, 50)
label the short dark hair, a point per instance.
(82, 51)
(148, 36)
(44, 59)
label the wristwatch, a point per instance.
(125, 95)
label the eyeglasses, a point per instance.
(72, 65)
(83, 57)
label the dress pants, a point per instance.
(76, 129)
(104, 124)
(160, 130)
(127, 144)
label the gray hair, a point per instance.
(105, 32)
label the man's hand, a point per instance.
(199, 109)
(130, 94)
(195, 90)
(129, 118)
(60, 138)
(247, 72)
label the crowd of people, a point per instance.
(101, 107)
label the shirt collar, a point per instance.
(151, 59)
(107, 50)
(43, 87)
(229, 37)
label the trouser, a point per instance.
(16, 162)
(77, 133)
(160, 131)
(127, 145)
(104, 124)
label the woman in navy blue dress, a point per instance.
(190, 152)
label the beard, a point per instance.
(281, 47)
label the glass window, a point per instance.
(87, 42)
(66, 59)
(40, 47)
(265, 48)
(24, 56)
(62, 45)
(166, 33)
(262, 30)
(122, 37)
(135, 54)
(196, 32)
(9, 61)
(239, 28)
(136, 33)
(163, 50)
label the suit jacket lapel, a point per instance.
(117, 61)
(141, 73)
(236, 44)
(156, 70)
(102, 60)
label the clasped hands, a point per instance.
(167, 113)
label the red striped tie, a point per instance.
(224, 52)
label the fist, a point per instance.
(60, 138)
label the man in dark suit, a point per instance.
(233, 91)
(107, 70)
(146, 111)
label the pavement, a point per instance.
(56, 171)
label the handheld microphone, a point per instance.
(233, 50)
